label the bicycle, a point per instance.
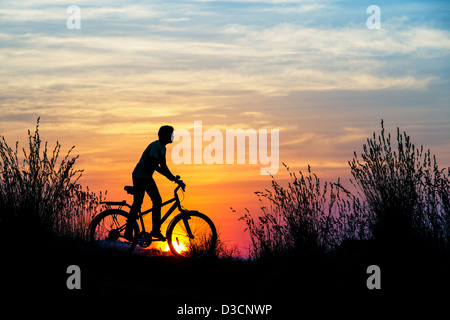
(189, 234)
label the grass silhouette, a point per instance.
(299, 219)
(41, 197)
(401, 197)
(406, 193)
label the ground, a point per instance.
(327, 283)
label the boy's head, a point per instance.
(165, 134)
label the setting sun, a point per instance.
(177, 246)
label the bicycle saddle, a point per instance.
(129, 189)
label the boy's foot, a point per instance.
(158, 235)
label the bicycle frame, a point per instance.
(176, 205)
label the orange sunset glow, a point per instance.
(317, 74)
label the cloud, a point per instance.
(258, 1)
(57, 13)
(175, 19)
(161, 59)
(295, 9)
(272, 61)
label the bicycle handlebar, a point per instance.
(180, 183)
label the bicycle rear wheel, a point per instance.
(205, 235)
(107, 229)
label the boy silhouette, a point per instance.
(153, 159)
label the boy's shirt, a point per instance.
(143, 168)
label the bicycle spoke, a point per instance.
(107, 231)
(204, 236)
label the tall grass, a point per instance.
(406, 193)
(305, 218)
(400, 195)
(40, 196)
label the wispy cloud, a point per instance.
(161, 59)
(273, 60)
(258, 1)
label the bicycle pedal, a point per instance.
(157, 239)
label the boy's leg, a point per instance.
(153, 192)
(138, 198)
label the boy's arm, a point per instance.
(162, 168)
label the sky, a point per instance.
(311, 69)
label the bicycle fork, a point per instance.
(186, 224)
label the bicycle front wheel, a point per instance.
(204, 233)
